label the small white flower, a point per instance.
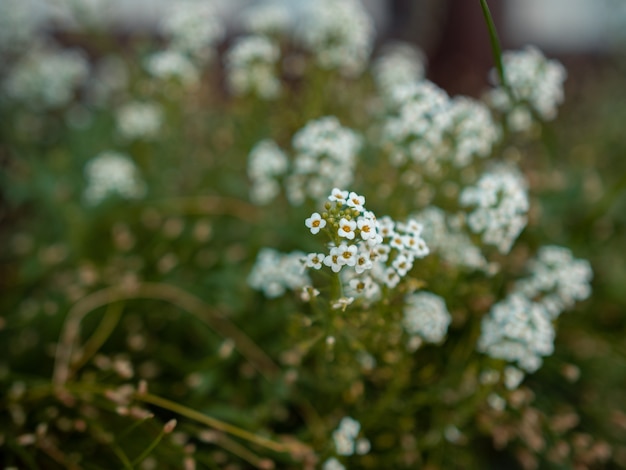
(347, 254)
(386, 226)
(342, 303)
(512, 377)
(363, 262)
(333, 464)
(402, 264)
(314, 260)
(356, 201)
(332, 260)
(391, 278)
(308, 293)
(363, 446)
(337, 195)
(346, 228)
(367, 228)
(315, 223)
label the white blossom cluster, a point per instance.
(471, 131)
(266, 162)
(333, 464)
(268, 18)
(345, 438)
(325, 158)
(112, 173)
(415, 132)
(194, 28)
(369, 253)
(274, 273)
(172, 65)
(340, 33)
(557, 279)
(535, 86)
(425, 315)
(19, 22)
(500, 198)
(517, 330)
(444, 236)
(139, 120)
(251, 67)
(46, 78)
(400, 63)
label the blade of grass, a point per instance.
(496, 49)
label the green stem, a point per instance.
(496, 50)
(148, 450)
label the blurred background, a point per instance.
(577, 174)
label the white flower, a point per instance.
(342, 303)
(314, 260)
(315, 223)
(426, 315)
(512, 377)
(332, 260)
(137, 120)
(391, 278)
(399, 64)
(367, 227)
(325, 159)
(534, 82)
(346, 228)
(172, 65)
(337, 195)
(112, 173)
(194, 27)
(46, 77)
(333, 464)
(517, 330)
(250, 67)
(275, 272)
(347, 254)
(402, 264)
(501, 201)
(363, 262)
(557, 279)
(356, 201)
(340, 33)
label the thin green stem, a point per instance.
(102, 333)
(148, 450)
(496, 50)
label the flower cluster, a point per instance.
(517, 330)
(340, 33)
(112, 173)
(325, 158)
(367, 252)
(444, 236)
(274, 273)
(268, 18)
(139, 120)
(415, 131)
(172, 65)
(345, 438)
(266, 162)
(557, 279)
(250, 67)
(471, 132)
(426, 316)
(500, 198)
(46, 78)
(193, 27)
(534, 87)
(399, 64)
